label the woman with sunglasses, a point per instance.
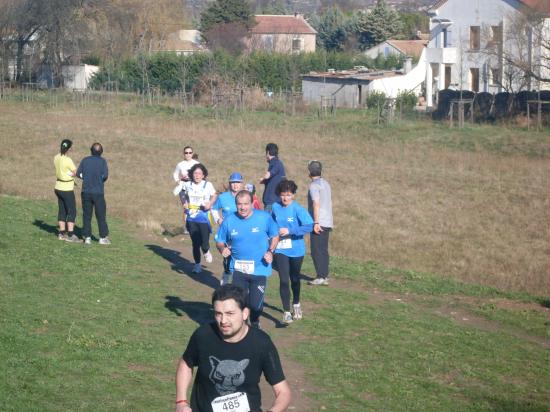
(181, 175)
(200, 195)
(294, 222)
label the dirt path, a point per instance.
(177, 253)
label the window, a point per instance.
(496, 35)
(268, 43)
(495, 76)
(474, 79)
(386, 51)
(297, 45)
(474, 37)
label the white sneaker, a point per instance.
(88, 241)
(287, 318)
(297, 312)
(104, 241)
(197, 268)
(208, 257)
(318, 282)
(61, 236)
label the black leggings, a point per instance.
(67, 205)
(254, 288)
(289, 272)
(200, 238)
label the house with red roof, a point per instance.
(399, 48)
(281, 34)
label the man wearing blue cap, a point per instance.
(224, 206)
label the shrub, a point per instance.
(376, 99)
(407, 100)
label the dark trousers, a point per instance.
(319, 252)
(91, 201)
(289, 277)
(254, 287)
(67, 205)
(200, 238)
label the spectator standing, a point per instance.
(274, 174)
(65, 171)
(320, 207)
(94, 172)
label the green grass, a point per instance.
(99, 328)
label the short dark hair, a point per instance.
(243, 193)
(65, 146)
(272, 149)
(230, 291)
(315, 168)
(96, 149)
(286, 186)
(195, 167)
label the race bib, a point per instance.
(245, 266)
(195, 200)
(234, 402)
(285, 243)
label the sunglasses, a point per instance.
(188, 152)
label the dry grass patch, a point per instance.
(475, 215)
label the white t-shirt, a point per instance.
(198, 195)
(182, 168)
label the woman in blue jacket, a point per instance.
(294, 222)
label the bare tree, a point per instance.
(519, 50)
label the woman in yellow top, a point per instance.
(65, 172)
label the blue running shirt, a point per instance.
(299, 222)
(226, 202)
(249, 240)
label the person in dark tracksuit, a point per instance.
(94, 172)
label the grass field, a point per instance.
(100, 328)
(469, 204)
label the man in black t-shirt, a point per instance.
(230, 358)
(272, 177)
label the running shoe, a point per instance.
(197, 268)
(104, 241)
(287, 318)
(61, 236)
(87, 240)
(318, 282)
(208, 257)
(72, 239)
(297, 312)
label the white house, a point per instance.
(77, 77)
(470, 40)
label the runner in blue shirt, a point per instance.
(224, 206)
(249, 237)
(294, 222)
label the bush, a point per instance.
(376, 99)
(406, 100)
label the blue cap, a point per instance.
(235, 177)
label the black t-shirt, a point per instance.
(225, 368)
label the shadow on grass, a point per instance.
(46, 227)
(199, 312)
(184, 266)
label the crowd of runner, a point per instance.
(231, 353)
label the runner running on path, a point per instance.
(249, 237)
(294, 222)
(230, 358)
(224, 206)
(199, 197)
